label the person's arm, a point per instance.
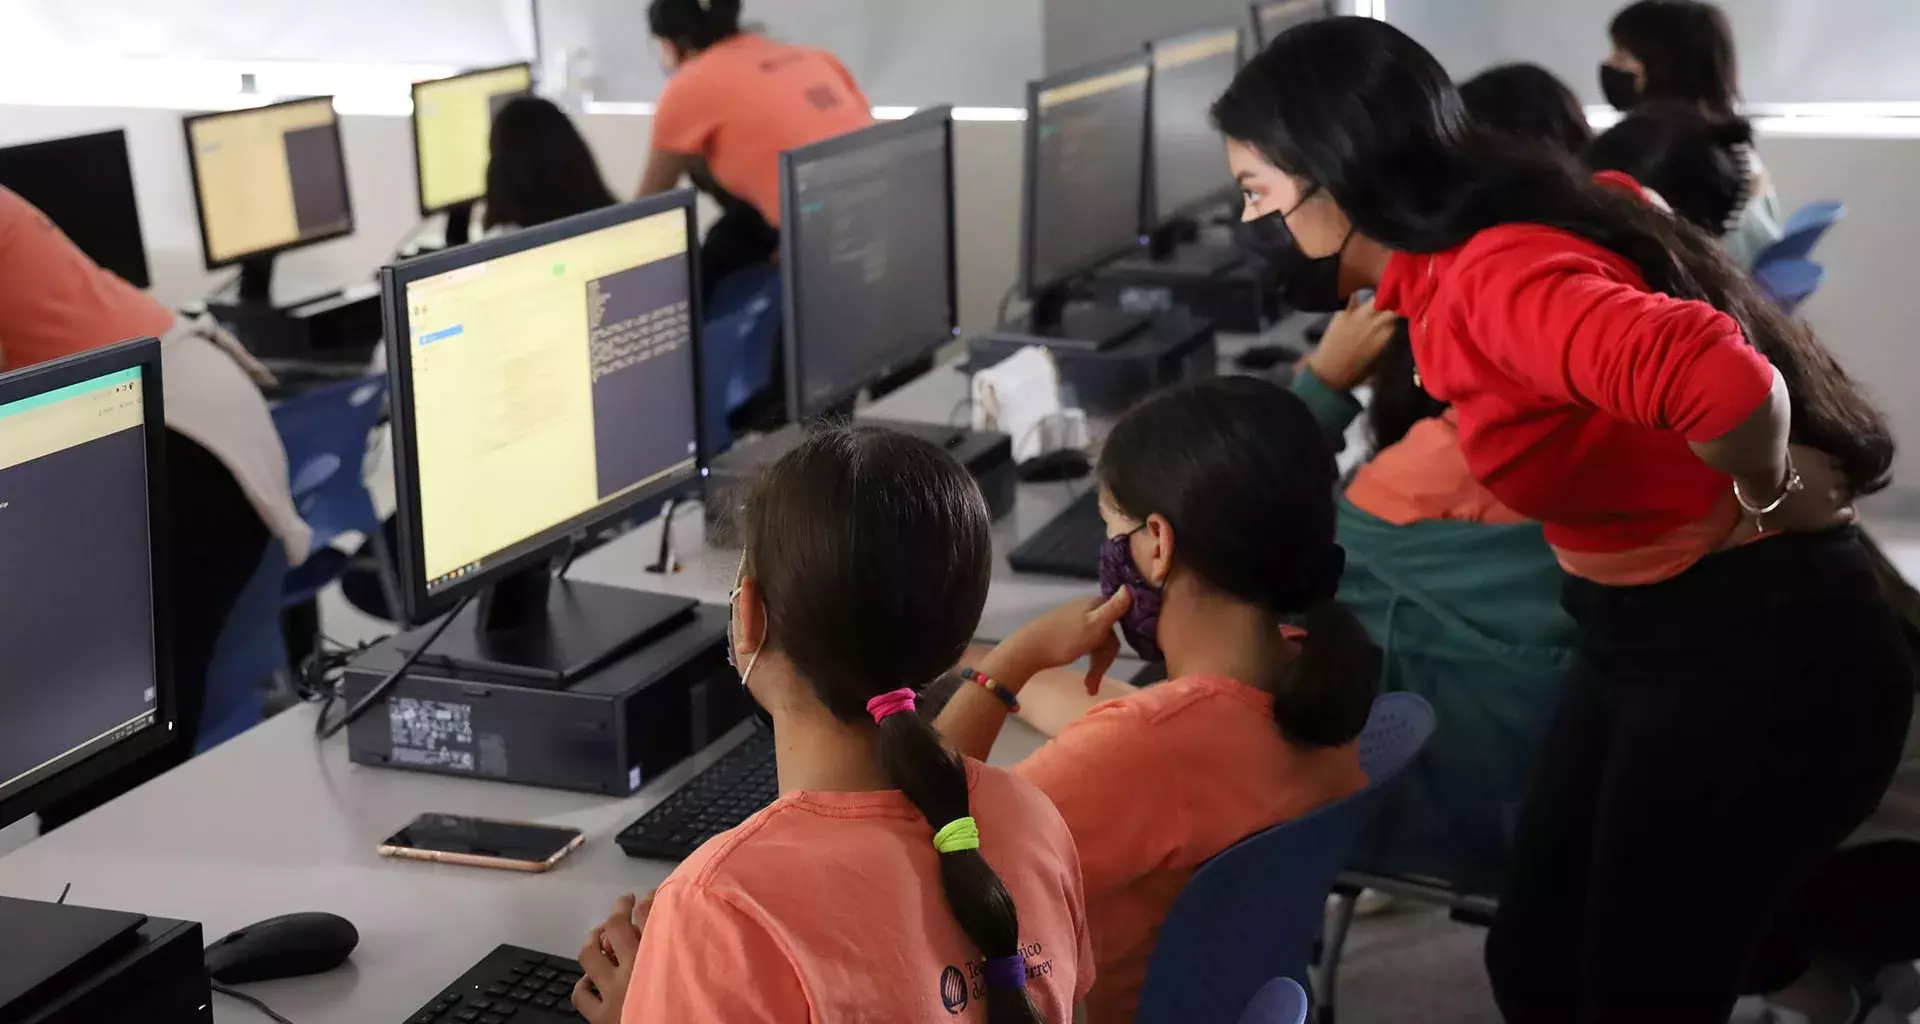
(664, 171)
(971, 721)
(1058, 697)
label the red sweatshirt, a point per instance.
(1577, 388)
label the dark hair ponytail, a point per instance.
(539, 169)
(873, 552)
(693, 25)
(1242, 472)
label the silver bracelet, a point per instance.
(1792, 485)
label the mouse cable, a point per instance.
(255, 1001)
(324, 730)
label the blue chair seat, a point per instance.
(739, 339)
(1280, 1001)
(1788, 283)
(1802, 232)
(325, 432)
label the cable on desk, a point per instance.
(323, 730)
(252, 1000)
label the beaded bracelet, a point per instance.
(993, 686)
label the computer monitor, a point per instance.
(1085, 155)
(544, 384)
(84, 184)
(452, 118)
(866, 257)
(85, 687)
(1276, 16)
(267, 179)
(1187, 167)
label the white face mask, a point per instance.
(733, 659)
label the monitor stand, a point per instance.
(256, 281)
(531, 627)
(459, 224)
(1055, 321)
(1178, 249)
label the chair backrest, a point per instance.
(1788, 283)
(1252, 913)
(739, 343)
(325, 433)
(1802, 231)
(248, 651)
(1280, 1001)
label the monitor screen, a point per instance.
(868, 256)
(1086, 132)
(451, 120)
(549, 383)
(84, 184)
(268, 179)
(77, 637)
(1189, 157)
(1277, 16)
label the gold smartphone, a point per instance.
(482, 842)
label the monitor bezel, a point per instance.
(1030, 171)
(790, 286)
(145, 278)
(1259, 37)
(143, 354)
(413, 125)
(200, 203)
(1152, 218)
(420, 605)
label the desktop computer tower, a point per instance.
(1231, 295)
(1107, 379)
(76, 965)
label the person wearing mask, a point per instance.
(1681, 51)
(1218, 501)
(735, 101)
(228, 492)
(1527, 103)
(1742, 688)
(539, 169)
(892, 879)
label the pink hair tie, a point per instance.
(891, 702)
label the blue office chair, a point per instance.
(1280, 1001)
(1252, 913)
(1789, 282)
(739, 346)
(1802, 231)
(248, 653)
(325, 432)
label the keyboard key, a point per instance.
(545, 1002)
(545, 973)
(506, 1011)
(467, 1015)
(522, 994)
(560, 988)
(497, 990)
(492, 1018)
(426, 1018)
(479, 1004)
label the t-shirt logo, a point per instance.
(953, 990)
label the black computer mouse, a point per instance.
(1060, 464)
(282, 947)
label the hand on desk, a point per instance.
(608, 960)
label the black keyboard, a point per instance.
(722, 796)
(1067, 546)
(510, 985)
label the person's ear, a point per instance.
(1153, 550)
(749, 621)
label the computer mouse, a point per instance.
(282, 947)
(1059, 464)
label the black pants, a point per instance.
(741, 238)
(1726, 729)
(216, 543)
(1862, 907)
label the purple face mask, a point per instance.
(1141, 624)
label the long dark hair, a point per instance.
(1242, 473)
(1696, 162)
(873, 553)
(1358, 108)
(693, 25)
(1398, 399)
(1686, 47)
(1527, 103)
(539, 169)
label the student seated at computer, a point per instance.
(539, 169)
(1528, 103)
(228, 490)
(891, 877)
(1218, 501)
(734, 102)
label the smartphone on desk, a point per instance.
(482, 842)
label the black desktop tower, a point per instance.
(1231, 294)
(67, 964)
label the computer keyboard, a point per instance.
(1067, 546)
(510, 985)
(723, 795)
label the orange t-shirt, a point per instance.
(54, 301)
(1424, 476)
(827, 907)
(1156, 783)
(745, 100)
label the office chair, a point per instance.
(325, 432)
(1789, 282)
(1803, 230)
(1252, 912)
(1280, 1001)
(739, 349)
(249, 652)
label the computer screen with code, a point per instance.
(269, 178)
(546, 383)
(452, 119)
(77, 660)
(871, 257)
(1090, 148)
(1189, 157)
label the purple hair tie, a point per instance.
(1007, 972)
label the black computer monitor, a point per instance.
(866, 258)
(544, 385)
(1187, 164)
(1276, 16)
(85, 687)
(452, 119)
(266, 180)
(1085, 154)
(84, 184)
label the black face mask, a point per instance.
(1305, 283)
(1620, 87)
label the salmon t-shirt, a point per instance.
(745, 100)
(1155, 784)
(54, 301)
(827, 907)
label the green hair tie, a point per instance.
(956, 835)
